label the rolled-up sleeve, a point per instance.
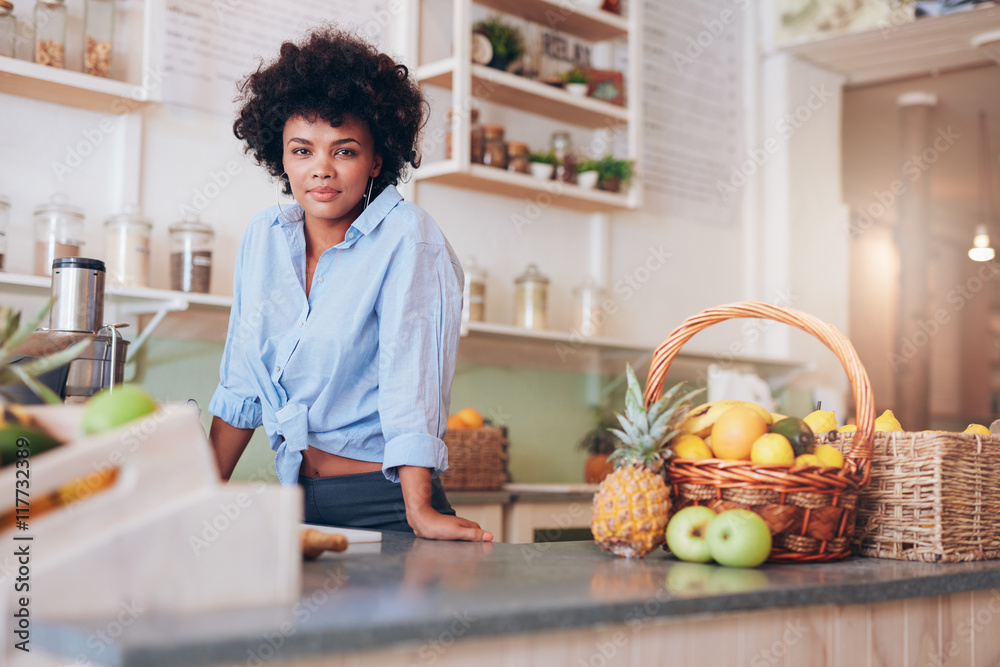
(419, 310)
(235, 400)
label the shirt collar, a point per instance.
(366, 223)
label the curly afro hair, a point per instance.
(332, 74)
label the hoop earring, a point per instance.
(277, 196)
(368, 195)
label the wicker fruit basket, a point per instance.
(932, 497)
(810, 510)
(477, 459)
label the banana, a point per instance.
(699, 420)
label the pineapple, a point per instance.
(632, 504)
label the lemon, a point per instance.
(821, 421)
(777, 417)
(829, 455)
(772, 448)
(690, 446)
(887, 422)
(807, 460)
(978, 429)
(847, 428)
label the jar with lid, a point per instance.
(588, 315)
(126, 248)
(58, 233)
(494, 149)
(517, 157)
(562, 146)
(191, 256)
(8, 29)
(475, 137)
(50, 33)
(4, 223)
(98, 37)
(531, 299)
(474, 297)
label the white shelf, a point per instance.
(60, 86)
(488, 330)
(925, 46)
(137, 300)
(497, 181)
(496, 86)
(592, 25)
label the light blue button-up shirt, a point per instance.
(362, 367)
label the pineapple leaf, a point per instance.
(634, 432)
(39, 366)
(16, 332)
(40, 390)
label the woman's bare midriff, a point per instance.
(317, 463)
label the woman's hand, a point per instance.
(426, 521)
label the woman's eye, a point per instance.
(346, 151)
(300, 151)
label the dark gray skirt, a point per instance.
(366, 500)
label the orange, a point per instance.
(734, 433)
(471, 417)
(454, 422)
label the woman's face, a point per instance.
(328, 167)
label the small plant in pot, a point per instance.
(506, 40)
(576, 82)
(587, 174)
(599, 442)
(543, 164)
(614, 175)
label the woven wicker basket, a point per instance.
(810, 510)
(933, 497)
(477, 459)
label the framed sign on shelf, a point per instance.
(607, 85)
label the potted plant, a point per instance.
(614, 175)
(587, 174)
(505, 39)
(599, 442)
(543, 164)
(576, 82)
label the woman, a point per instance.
(346, 306)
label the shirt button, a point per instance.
(277, 369)
(320, 279)
(300, 325)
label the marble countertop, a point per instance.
(405, 590)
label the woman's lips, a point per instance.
(324, 194)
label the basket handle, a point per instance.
(862, 447)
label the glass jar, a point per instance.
(588, 315)
(562, 146)
(191, 256)
(494, 149)
(474, 297)
(517, 157)
(98, 34)
(8, 29)
(475, 137)
(531, 299)
(4, 223)
(58, 233)
(126, 248)
(50, 33)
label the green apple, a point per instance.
(735, 580)
(738, 538)
(107, 410)
(688, 579)
(686, 534)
